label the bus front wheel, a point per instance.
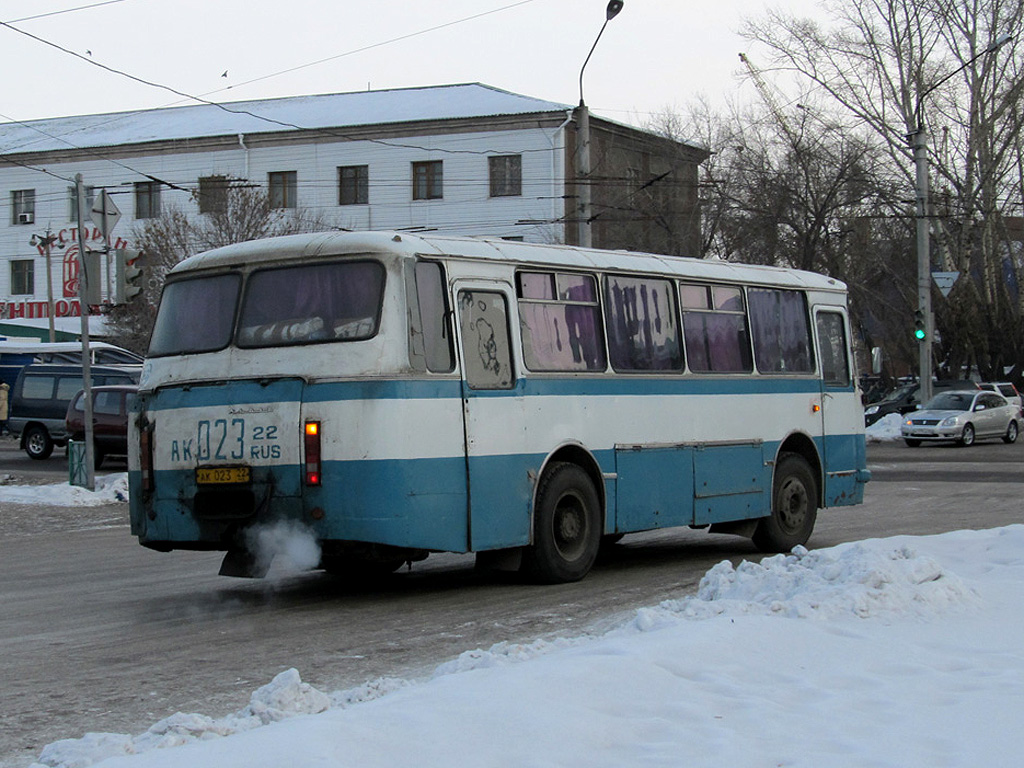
(567, 526)
(794, 507)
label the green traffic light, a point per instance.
(919, 334)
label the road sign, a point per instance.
(105, 214)
(945, 281)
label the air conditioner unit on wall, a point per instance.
(26, 218)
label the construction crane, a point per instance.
(769, 100)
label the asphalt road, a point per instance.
(99, 634)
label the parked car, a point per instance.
(904, 399)
(962, 417)
(40, 398)
(110, 406)
(1007, 390)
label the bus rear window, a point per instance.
(312, 303)
(195, 315)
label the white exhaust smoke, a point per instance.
(291, 544)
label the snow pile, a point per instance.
(110, 489)
(886, 428)
(850, 579)
(887, 652)
(283, 697)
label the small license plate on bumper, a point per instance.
(222, 475)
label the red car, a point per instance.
(109, 418)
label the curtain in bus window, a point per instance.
(716, 342)
(195, 315)
(563, 333)
(314, 303)
(641, 325)
(781, 332)
(835, 366)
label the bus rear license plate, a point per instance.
(212, 475)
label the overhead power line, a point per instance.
(66, 10)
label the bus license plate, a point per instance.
(211, 475)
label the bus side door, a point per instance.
(841, 413)
(497, 465)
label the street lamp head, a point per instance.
(610, 12)
(999, 42)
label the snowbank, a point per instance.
(886, 428)
(110, 489)
(889, 652)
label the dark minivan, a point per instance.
(40, 398)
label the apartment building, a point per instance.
(462, 159)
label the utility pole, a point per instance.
(924, 272)
(918, 139)
(83, 293)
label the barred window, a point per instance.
(506, 173)
(23, 277)
(283, 189)
(147, 199)
(213, 194)
(428, 180)
(353, 185)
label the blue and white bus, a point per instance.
(396, 395)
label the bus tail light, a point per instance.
(146, 457)
(312, 452)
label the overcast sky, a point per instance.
(655, 54)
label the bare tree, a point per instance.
(899, 65)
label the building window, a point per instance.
(506, 175)
(90, 198)
(213, 194)
(283, 188)
(427, 178)
(23, 277)
(23, 206)
(353, 185)
(147, 199)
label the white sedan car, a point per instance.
(962, 417)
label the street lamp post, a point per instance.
(46, 242)
(585, 235)
(919, 141)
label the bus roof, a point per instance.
(309, 247)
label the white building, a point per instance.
(463, 159)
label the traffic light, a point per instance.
(920, 327)
(128, 275)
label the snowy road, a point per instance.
(98, 634)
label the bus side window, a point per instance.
(715, 329)
(433, 310)
(781, 331)
(486, 344)
(835, 368)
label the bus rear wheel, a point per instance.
(567, 526)
(794, 507)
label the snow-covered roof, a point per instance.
(339, 110)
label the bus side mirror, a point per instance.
(876, 360)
